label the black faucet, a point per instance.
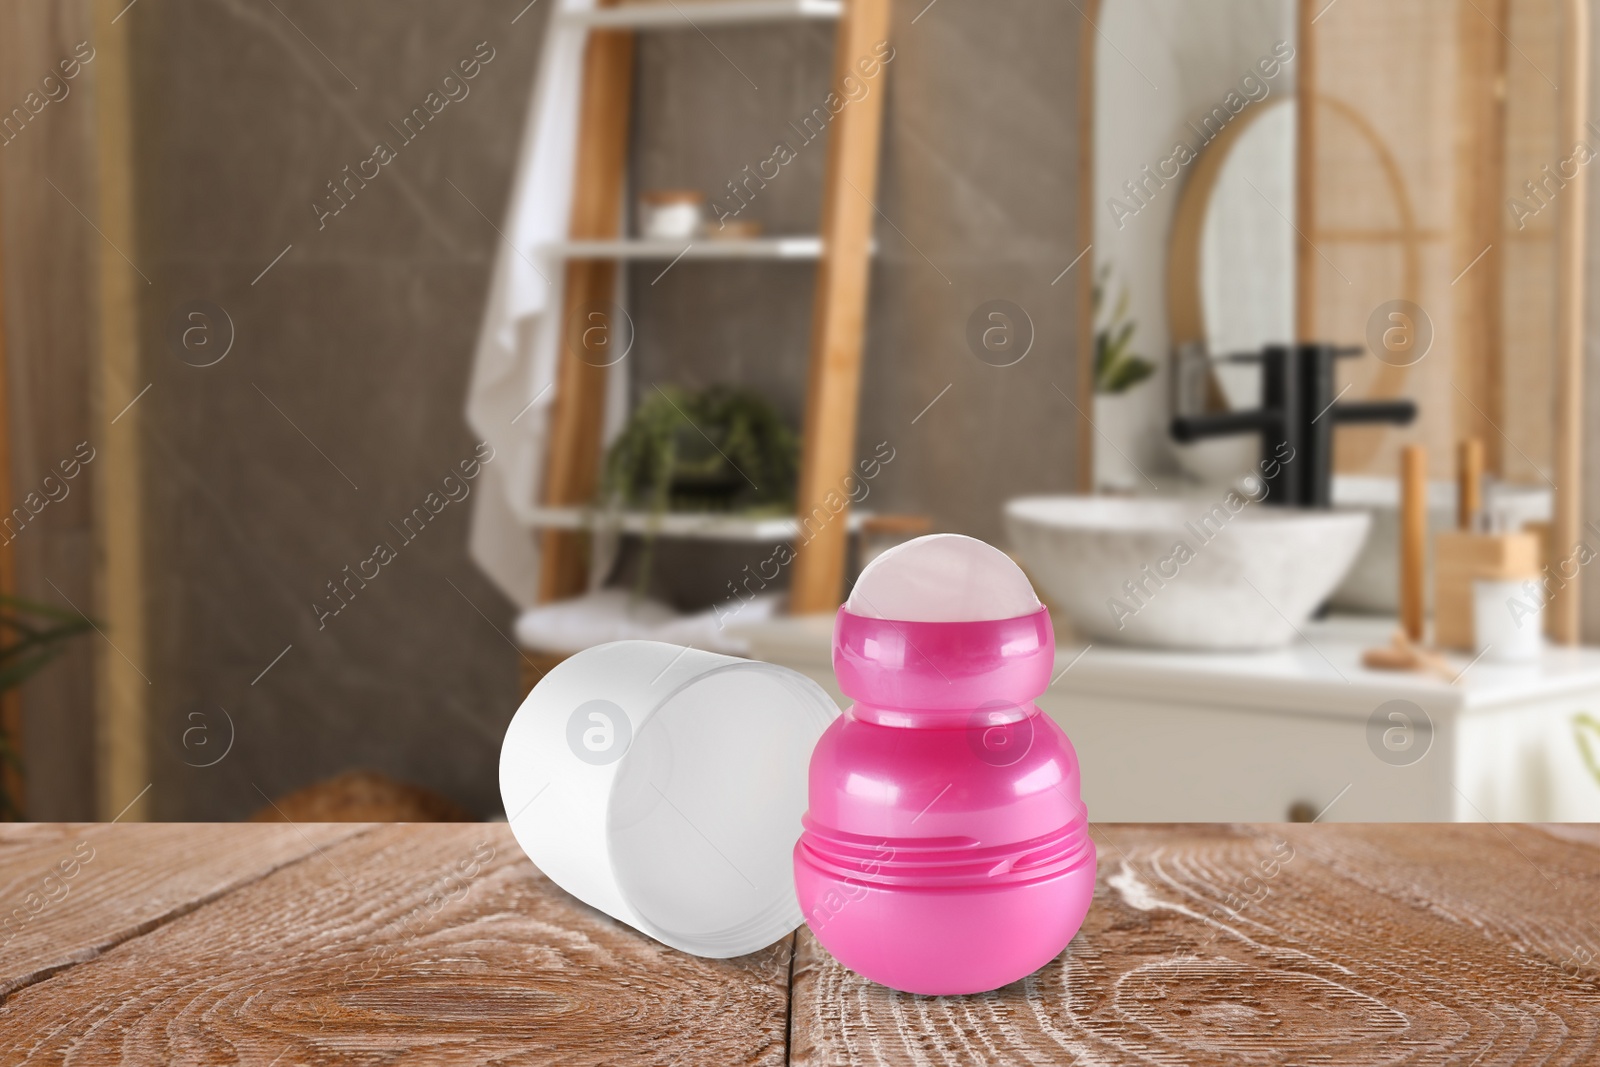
(1298, 412)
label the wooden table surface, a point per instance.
(376, 944)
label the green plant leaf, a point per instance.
(1116, 368)
(14, 674)
(1585, 727)
(31, 636)
(1127, 374)
(33, 607)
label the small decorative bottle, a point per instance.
(946, 848)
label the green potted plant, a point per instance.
(719, 449)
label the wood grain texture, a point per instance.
(122, 693)
(1273, 945)
(1305, 168)
(72, 892)
(1413, 538)
(572, 470)
(838, 318)
(439, 944)
(1566, 524)
(434, 944)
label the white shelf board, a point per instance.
(692, 14)
(798, 247)
(700, 525)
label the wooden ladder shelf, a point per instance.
(838, 314)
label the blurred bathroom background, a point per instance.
(258, 369)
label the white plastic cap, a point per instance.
(664, 786)
(943, 577)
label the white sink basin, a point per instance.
(1202, 576)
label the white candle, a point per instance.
(1507, 623)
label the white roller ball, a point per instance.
(943, 577)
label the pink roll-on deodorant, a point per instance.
(945, 848)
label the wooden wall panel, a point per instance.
(123, 668)
(572, 469)
(47, 174)
(1528, 244)
(1476, 240)
(1566, 528)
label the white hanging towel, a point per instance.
(514, 369)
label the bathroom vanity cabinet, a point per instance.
(1306, 731)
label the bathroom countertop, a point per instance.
(1320, 673)
(268, 944)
